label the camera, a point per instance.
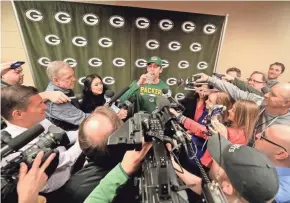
(47, 143)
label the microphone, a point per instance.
(190, 81)
(77, 96)
(163, 104)
(168, 94)
(128, 103)
(118, 95)
(108, 95)
(21, 140)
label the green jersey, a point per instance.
(146, 95)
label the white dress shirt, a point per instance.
(67, 158)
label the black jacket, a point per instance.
(82, 183)
(189, 102)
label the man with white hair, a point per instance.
(275, 143)
(68, 115)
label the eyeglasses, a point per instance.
(255, 81)
(263, 136)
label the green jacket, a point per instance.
(107, 189)
(146, 95)
(243, 86)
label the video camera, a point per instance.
(158, 181)
(47, 143)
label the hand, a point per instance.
(122, 113)
(31, 182)
(132, 159)
(218, 127)
(228, 78)
(175, 113)
(55, 97)
(203, 77)
(142, 80)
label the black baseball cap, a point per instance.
(250, 171)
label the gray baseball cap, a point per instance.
(250, 171)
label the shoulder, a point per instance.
(236, 136)
(163, 84)
(45, 123)
(85, 180)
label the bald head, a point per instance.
(95, 129)
(282, 89)
(280, 135)
(277, 102)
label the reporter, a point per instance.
(234, 72)
(274, 105)
(213, 99)
(243, 116)
(195, 107)
(243, 173)
(93, 95)
(23, 108)
(32, 181)
(118, 176)
(11, 76)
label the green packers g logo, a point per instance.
(151, 99)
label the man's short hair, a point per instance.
(234, 69)
(84, 140)
(264, 77)
(53, 68)
(279, 64)
(15, 97)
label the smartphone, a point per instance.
(217, 110)
(16, 64)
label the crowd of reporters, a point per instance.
(254, 165)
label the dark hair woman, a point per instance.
(93, 93)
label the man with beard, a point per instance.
(275, 70)
(148, 87)
(93, 135)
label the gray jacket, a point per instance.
(64, 112)
(265, 119)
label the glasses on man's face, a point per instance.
(262, 135)
(254, 81)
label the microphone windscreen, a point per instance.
(109, 93)
(164, 91)
(180, 82)
(132, 99)
(161, 102)
(26, 137)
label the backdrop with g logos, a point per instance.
(115, 41)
